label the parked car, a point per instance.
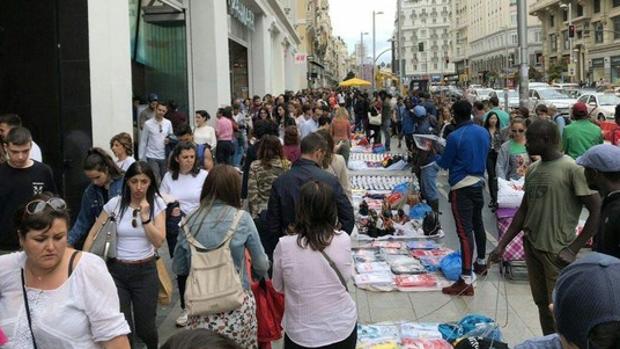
(480, 94)
(534, 84)
(551, 96)
(513, 98)
(568, 85)
(601, 106)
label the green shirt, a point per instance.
(552, 189)
(580, 136)
(504, 118)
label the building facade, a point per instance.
(96, 55)
(595, 46)
(425, 38)
(486, 41)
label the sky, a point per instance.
(351, 17)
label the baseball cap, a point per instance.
(585, 296)
(419, 111)
(153, 97)
(602, 157)
(580, 108)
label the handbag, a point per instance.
(269, 311)
(104, 242)
(374, 120)
(213, 285)
(165, 283)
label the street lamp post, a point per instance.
(362, 53)
(373, 47)
(570, 40)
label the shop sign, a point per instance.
(300, 58)
(241, 12)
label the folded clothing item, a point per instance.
(442, 251)
(401, 264)
(424, 343)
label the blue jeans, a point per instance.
(238, 155)
(428, 182)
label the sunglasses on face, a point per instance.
(518, 130)
(37, 206)
(134, 218)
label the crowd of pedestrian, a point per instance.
(264, 191)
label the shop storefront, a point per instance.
(158, 51)
(615, 70)
(240, 30)
(598, 69)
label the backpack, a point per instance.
(213, 284)
(567, 119)
(431, 224)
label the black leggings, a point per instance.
(492, 174)
(347, 343)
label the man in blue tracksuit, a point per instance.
(465, 157)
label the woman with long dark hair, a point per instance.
(141, 228)
(492, 125)
(106, 181)
(181, 188)
(220, 204)
(311, 267)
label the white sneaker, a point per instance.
(183, 319)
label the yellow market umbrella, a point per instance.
(354, 82)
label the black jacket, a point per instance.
(284, 196)
(607, 240)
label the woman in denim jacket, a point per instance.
(219, 201)
(106, 182)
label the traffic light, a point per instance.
(420, 47)
(571, 31)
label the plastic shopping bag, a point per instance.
(509, 193)
(450, 266)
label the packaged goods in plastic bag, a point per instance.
(378, 278)
(509, 193)
(410, 281)
(450, 266)
(431, 263)
(367, 255)
(472, 325)
(424, 343)
(420, 330)
(403, 264)
(372, 267)
(422, 245)
(419, 211)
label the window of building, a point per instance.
(424, 67)
(579, 10)
(514, 39)
(552, 21)
(615, 3)
(553, 44)
(596, 6)
(598, 32)
(565, 40)
(435, 66)
(616, 21)
(513, 20)
(565, 15)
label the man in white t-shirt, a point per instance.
(11, 121)
(155, 135)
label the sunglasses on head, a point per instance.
(38, 206)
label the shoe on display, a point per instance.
(480, 269)
(459, 288)
(183, 320)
